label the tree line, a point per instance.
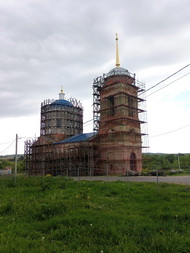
(10, 162)
(166, 161)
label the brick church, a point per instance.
(115, 146)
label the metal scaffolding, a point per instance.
(70, 159)
(98, 82)
(61, 118)
(139, 107)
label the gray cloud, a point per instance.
(46, 44)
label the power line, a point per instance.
(5, 143)
(170, 131)
(28, 137)
(165, 87)
(169, 84)
(166, 78)
(7, 147)
(87, 121)
(88, 124)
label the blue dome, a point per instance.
(62, 102)
(118, 71)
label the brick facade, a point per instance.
(119, 133)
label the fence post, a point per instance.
(157, 175)
(90, 173)
(16, 149)
(179, 164)
(67, 171)
(127, 178)
(107, 173)
(78, 173)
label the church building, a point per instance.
(115, 146)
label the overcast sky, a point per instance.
(46, 44)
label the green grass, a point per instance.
(55, 215)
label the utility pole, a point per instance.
(16, 148)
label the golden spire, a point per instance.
(117, 52)
(62, 89)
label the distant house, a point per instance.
(6, 171)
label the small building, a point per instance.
(6, 171)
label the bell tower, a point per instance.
(119, 125)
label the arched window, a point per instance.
(133, 162)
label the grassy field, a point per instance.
(58, 215)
